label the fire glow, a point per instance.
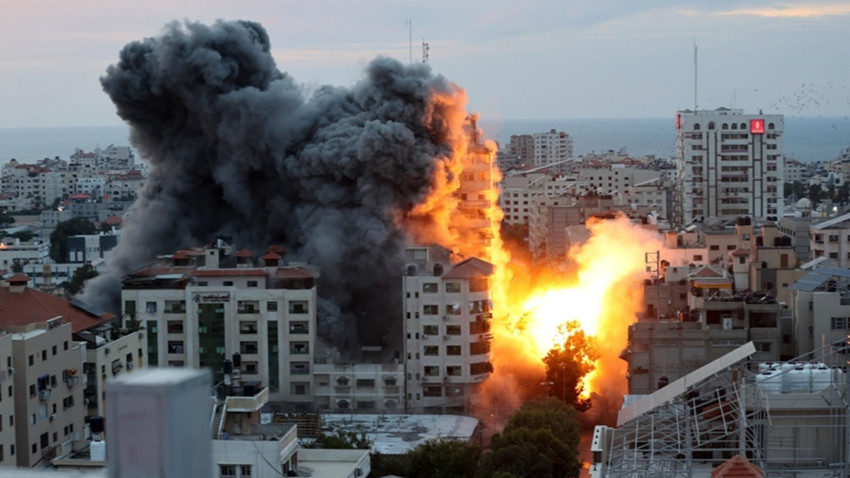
(600, 290)
(598, 286)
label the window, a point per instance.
(429, 287)
(248, 327)
(453, 370)
(227, 283)
(32, 359)
(299, 327)
(175, 326)
(227, 471)
(452, 287)
(252, 283)
(838, 323)
(453, 350)
(175, 346)
(431, 350)
(175, 306)
(298, 307)
(432, 371)
(453, 309)
(248, 347)
(432, 391)
(299, 348)
(271, 306)
(453, 330)
(430, 330)
(248, 306)
(299, 368)
(430, 309)
(150, 307)
(67, 402)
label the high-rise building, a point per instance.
(729, 164)
(552, 148)
(447, 329)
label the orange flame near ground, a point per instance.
(599, 287)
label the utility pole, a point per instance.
(409, 22)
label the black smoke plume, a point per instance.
(236, 147)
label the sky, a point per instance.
(516, 60)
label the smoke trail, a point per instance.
(236, 147)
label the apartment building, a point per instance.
(7, 402)
(44, 366)
(210, 308)
(552, 149)
(831, 239)
(821, 307)
(362, 387)
(729, 164)
(14, 252)
(447, 329)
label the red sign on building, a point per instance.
(757, 126)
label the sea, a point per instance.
(807, 139)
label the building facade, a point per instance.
(260, 320)
(447, 314)
(729, 164)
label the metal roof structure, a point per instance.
(789, 419)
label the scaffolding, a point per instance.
(790, 419)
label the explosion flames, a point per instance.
(344, 179)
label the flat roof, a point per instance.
(398, 434)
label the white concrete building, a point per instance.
(552, 147)
(447, 329)
(729, 164)
(7, 402)
(831, 239)
(17, 252)
(262, 320)
(358, 386)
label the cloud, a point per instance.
(793, 11)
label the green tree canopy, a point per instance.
(65, 229)
(569, 362)
(81, 275)
(444, 459)
(541, 439)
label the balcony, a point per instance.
(248, 403)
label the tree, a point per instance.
(24, 236)
(65, 229)
(443, 458)
(81, 275)
(6, 219)
(567, 364)
(343, 439)
(541, 439)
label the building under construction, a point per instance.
(789, 419)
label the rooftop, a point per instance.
(23, 306)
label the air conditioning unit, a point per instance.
(11, 370)
(424, 336)
(445, 337)
(44, 394)
(130, 365)
(53, 417)
(445, 317)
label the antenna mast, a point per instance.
(695, 76)
(426, 50)
(409, 22)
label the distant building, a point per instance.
(552, 149)
(729, 164)
(89, 248)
